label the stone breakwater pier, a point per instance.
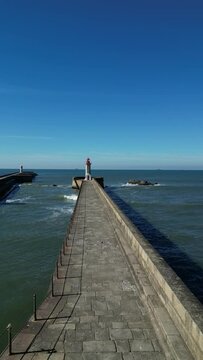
(9, 181)
(112, 296)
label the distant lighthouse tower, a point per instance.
(88, 170)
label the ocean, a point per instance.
(35, 217)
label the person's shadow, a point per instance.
(190, 272)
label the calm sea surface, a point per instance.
(34, 220)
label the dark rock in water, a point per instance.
(54, 185)
(140, 182)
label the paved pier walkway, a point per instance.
(97, 311)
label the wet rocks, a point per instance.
(140, 182)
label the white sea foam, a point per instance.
(58, 211)
(18, 201)
(129, 185)
(72, 197)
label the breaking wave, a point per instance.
(72, 197)
(18, 201)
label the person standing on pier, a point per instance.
(88, 170)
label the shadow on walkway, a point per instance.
(190, 272)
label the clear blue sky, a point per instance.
(118, 81)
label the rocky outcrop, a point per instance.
(140, 182)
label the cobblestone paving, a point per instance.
(96, 312)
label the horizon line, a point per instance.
(100, 169)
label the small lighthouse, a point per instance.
(77, 181)
(88, 169)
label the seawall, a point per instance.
(184, 309)
(112, 296)
(9, 181)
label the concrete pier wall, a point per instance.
(176, 305)
(6, 186)
(111, 297)
(9, 181)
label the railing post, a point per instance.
(9, 329)
(57, 269)
(52, 285)
(64, 248)
(35, 307)
(61, 258)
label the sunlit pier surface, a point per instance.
(112, 297)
